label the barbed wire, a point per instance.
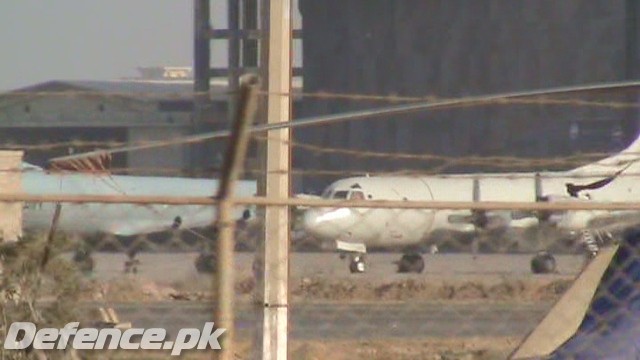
(436, 174)
(327, 95)
(499, 166)
(187, 95)
(392, 98)
(432, 171)
(63, 144)
(494, 161)
(255, 172)
(370, 114)
(472, 160)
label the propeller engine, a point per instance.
(481, 219)
(547, 217)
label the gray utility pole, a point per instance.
(272, 270)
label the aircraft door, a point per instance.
(428, 215)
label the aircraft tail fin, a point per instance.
(626, 160)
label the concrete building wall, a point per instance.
(97, 120)
(88, 111)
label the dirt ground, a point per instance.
(320, 289)
(490, 279)
(324, 277)
(432, 349)
(427, 349)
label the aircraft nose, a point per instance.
(326, 223)
(310, 221)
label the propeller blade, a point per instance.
(543, 216)
(481, 219)
(476, 190)
(539, 197)
(538, 187)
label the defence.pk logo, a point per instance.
(21, 335)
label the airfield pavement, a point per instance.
(461, 307)
(175, 267)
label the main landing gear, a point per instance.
(411, 263)
(543, 263)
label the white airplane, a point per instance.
(353, 229)
(120, 219)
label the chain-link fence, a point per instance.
(372, 274)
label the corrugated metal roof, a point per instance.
(132, 88)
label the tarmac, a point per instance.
(323, 315)
(174, 267)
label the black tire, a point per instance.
(206, 263)
(543, 263)
(411, 263)
(357, 266)
(83, 260)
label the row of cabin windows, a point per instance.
(27, 108)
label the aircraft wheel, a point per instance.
(83, 260)
(206, 263)
(357, 265)
(131, 266)
(411, 263)
(543, 263)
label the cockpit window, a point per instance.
(327, 193)
(340, 194)
(356, 195)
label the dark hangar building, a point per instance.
(455, 48)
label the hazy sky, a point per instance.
(96, 39)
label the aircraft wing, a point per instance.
(486, 220)
(140, 227)
(606, 229)
(614, 221)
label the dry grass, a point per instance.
(531, 289)
(427, 349)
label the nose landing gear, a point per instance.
(357, 264)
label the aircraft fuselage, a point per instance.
(119, 219)
(392, 227)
